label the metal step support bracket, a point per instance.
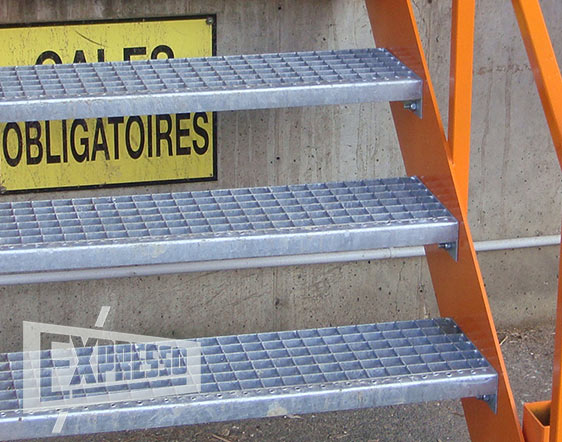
(451, 248)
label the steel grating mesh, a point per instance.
(204, 84)
(244, 211)
(220, 224)
(300, 360)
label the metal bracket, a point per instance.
(451, 248)
(491, 400)
(415, 106)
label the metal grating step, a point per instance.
(51, 92)
(258, 375)
(101, 232)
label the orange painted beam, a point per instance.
(458, 285)
(556, 401)
(536, 421)
(542, 421)
(460, 94)
(543, 62)
(549, 84)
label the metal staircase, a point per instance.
(291, 372)
(264, 374)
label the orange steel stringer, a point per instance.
(460, 94)
(458, 284)
(543, 421)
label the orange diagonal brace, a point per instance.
(458, 285)
(544, 65)
(460, 93)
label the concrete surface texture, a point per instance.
(515, 187)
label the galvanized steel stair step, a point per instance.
(101, 232)
(255, 375)
(51, 92)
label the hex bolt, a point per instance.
(410, 105)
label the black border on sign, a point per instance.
(214, 177)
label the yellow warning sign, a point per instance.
(107, 151)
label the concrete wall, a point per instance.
(515, 187)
